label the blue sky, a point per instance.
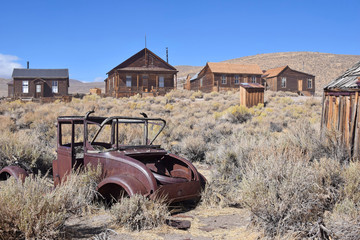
(91, 37)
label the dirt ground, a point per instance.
(206, 223)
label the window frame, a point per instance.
(237, 79)
(283, 82)
(309, 81)
(25, 86)
(161, 81)
(128, 81)
(55, 87)
(223, 79)
(253, 79)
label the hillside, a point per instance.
(325, 66)
(76, 86)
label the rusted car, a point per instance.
(130, 162)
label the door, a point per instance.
(38, 91)
(145, 83)
(300, 85)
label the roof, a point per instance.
(350, 79)
(234, 68)
(139, 54)
(194, 77)
(274, 71)
(251, 85)
(40, 73)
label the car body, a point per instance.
(129, 165)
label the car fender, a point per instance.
(129, 183)
(15, 171)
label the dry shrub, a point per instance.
(344, 220)
(284, 195)
(194, 148)
(35, 210)
(234, 114)
(139, 213)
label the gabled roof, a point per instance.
(124, 65)
(40, 73)
(194, 77)
(274, 71)
(232, 68)
(350, 79)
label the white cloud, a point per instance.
(99, 79)
(7, 64)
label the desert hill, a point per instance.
(77, 86)
(325, 66)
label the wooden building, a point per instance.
(341, 109)
(286, 79)
(144, 73)
(251, 94)
(95, 91)
(38, 83)
(215, 77)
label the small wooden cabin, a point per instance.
(341, 108)
(251, 94)
(144, 73)
(286, 79)
(39, 83)
(95, 91)
(215, 77)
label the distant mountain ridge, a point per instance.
(325, 66)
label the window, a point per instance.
(55, 87)
(201, 82)
(38, 88)
(236, 79)
(223, 79)
(128, 81)
(25, 86)
(161, 82)
(309, 82)
(283, 82)
(253, 79)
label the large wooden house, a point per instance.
(38, 83)
(224, 76)
(144, 73)
(286, 79)
(341, 109)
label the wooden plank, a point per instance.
(354, 107)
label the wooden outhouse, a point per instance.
(341, 108)
(251, 94)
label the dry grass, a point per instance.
(35, 210)
(269, 159)
(140, 213)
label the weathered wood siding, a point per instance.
(251, 96)
(341, 112)
(292, 78)
(213, 81)
(46, 88)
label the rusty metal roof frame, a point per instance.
(349, 80)
(135, 120)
